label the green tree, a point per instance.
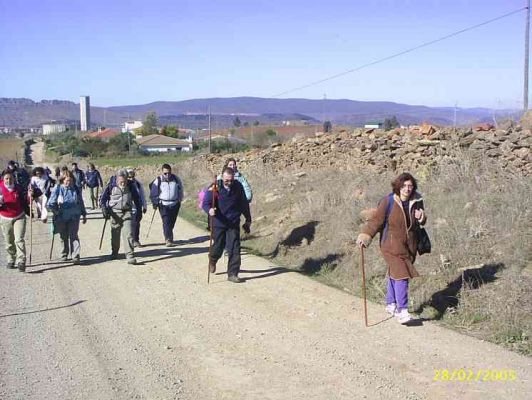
(149, 126)
(237, 122)
(256, 123)
(327, 127)
(271, 133)
(390, 123)
(170, 130)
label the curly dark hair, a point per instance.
(398, 182)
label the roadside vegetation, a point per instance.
(478, 279)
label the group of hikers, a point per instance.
(398, 217)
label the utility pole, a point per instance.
(210, 138)
(527, 35)
(454, 121)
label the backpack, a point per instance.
(424, 245)
(203, 192)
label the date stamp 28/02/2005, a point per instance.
(470, 375)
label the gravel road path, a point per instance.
(107, 330)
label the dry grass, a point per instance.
(11, 149)
(478, 278)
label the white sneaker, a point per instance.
(390, 308)
(403, 316)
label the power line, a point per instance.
(401, 53)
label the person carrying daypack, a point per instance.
(66, 202)
(226, 202)
(20, 175)
(398, 217)
(118, 200)
(137, 212)
(40, 187)
(13, 202)
(94, 183)
(166, 194)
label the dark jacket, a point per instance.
(399, 243)
(230, 204)
(106, 196)
(80, 177)
(93, 178)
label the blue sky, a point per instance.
(139, 51)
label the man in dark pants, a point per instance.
(226, 204)
(137, 213)
(79, 175)
(166, 194)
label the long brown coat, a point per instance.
(399, 244)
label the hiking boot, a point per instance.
(113, 256)
(212, 267)
(136, 243)
(403, 316)
(64, 258)
(234, 279)
(45, 220)
(132, 261)
(76, 261)
(169, 243)
(21, 266)
(10, 265)
(391, 308)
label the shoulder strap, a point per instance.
(386, 216)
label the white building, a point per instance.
(129, 126)
(48, 129)
(164, 144)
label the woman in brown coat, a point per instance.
(397, 218)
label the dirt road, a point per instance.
(106, 330)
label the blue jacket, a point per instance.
(72, 206)
(230, 205)
(245, 184)
(93, 178)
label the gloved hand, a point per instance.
(106, 212)
(144, 210)
(155, 206)
(247, 227)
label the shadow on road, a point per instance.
(45, 309)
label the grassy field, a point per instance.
(11, 149)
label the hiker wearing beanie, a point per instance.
(118, 200)
(94, 183)
(166, 194)
(66, 202)
(137, 212)
(13, 221)
(226, 202)
(397, 217)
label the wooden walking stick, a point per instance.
(211, 220)
(364, 285)
(103, 231)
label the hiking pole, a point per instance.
(31, 230)
(211, 220)
(211, 236)
(103, 231)
(52, 246)
(364, 285)
(151, 222)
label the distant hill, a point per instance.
(192, 113)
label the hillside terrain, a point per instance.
(20, 112)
